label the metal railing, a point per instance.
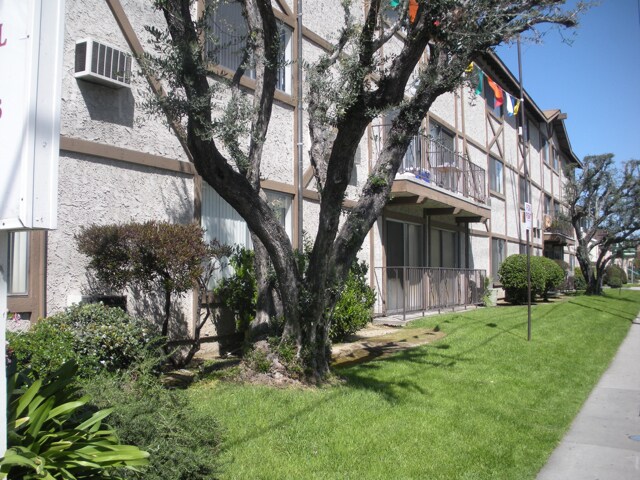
(433, 162)
(419, 289)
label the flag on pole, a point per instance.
(516, 108)
(497, 92)
(469, 69)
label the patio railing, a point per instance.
(433, 162)
(402, 290)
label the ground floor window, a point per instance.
(403, 244)
(18, 281)
(554, 252)
(498, 254)
(444, 248)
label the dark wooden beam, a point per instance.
(440, 211)
(469, 219)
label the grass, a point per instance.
(480, 403)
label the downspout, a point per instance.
(299, 118)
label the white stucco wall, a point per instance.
(279, 148)
(100, 191)
(102, 114)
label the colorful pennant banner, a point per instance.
(511, 102)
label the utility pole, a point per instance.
(525, 144)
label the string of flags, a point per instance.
(413, 8)
(511, 103)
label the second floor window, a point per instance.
(524, 191)
(495, 175)
(226, 46)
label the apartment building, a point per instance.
(457, 204)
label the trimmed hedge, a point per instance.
(546, 275)
(614, 276)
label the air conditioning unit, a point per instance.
(100, 63)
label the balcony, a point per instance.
(431, 162)
(557, 230)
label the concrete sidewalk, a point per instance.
(604, 440)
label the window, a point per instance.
(444, 246)
(556, 158)
(490, 97)
(495, 175)
(441, 145)
(18, 283)
(228, 36)
(498, 251)
(545, 148)
(280, 203)
(548, 205)
(524, 191)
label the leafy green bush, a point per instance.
(353, 308)
(553, 273)
(614, 276)
(96, 337)
(182, 442)
(51, 436)
(43, 349)
(579, 281)
(513, 275)
(239, 291)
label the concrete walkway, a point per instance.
(604, 440)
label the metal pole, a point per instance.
(525, 144)
(299, 133)
(4, 278)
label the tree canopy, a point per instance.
(604, 203)
(354, 82)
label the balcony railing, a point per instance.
(433, 162)
(419, 289)
(557, 228)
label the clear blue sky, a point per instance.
(595, 81)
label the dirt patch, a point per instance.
(381, 346)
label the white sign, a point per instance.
(528, 217)
(31, 46)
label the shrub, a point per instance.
(553, 274)
(353, 308)
(513, 275)
(96, 337)
(579, 281)
(182, 442)
(150, 256)
(614, 276)
(43, 349)
(239, 291)
(51, 436)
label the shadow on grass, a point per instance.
(436, 356)
(625, 315)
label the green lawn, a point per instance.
(480, 403)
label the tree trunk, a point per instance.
(259, 326)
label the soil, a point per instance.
(380, 342)
(371, 343)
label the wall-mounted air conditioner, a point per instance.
(100, 63)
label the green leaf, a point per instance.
(27, 397)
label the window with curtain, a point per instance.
(18, 281)
(496, 180)
(228, 39)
